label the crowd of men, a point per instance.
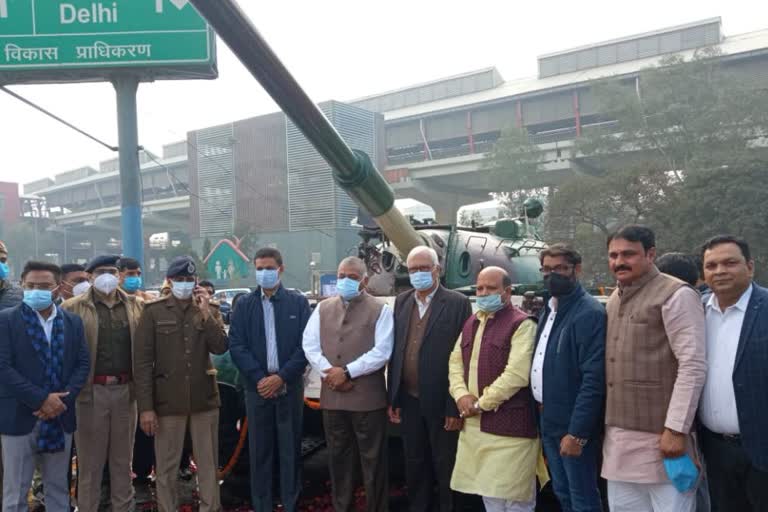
(663, 392)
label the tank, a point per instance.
(463, 252)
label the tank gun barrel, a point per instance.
(352, 170)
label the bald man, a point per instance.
(489, 379)
(428, 319)
(348, 340)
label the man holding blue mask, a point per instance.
(265, 337)
(489, 375)
(10, 294)
(348, 340)
(428, 319)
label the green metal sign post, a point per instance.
(121, 41)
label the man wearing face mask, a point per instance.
(348, 340)
(427, 321)
(74, 281)
(265, 343)
(176, 382)
(130, 277)
(498, 453)
(568, 380)
(106, 409)
(43, 366)
(10, 294)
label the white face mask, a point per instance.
(80, 288)
(105, 283)
(182, 290)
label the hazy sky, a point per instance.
(339, 49)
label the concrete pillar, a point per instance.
(447, 208)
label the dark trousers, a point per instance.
(430, 453)
(275, 422)
(574, 479)
(734, 483)
(357, 440)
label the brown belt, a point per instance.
(112, 380)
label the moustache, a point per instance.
(622, 267)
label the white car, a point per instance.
(228, 294)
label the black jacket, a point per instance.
(448, 312)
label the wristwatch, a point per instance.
(476, 407)
(346, 373)
(579, 441)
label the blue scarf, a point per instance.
(50, 438)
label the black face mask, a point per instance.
(559, 285)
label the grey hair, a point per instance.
(354, 261)
(424, 249)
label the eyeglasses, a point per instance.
(557, 269)
(46, 287)
(422, 268)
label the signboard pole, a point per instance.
(130, 181)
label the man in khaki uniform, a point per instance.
(106, 408)
(176, 383)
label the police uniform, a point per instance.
(176, 379)
(106, 407)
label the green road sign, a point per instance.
(64, 40)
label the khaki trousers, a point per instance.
(169, 442)
(105, 433)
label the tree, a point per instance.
(686, 156)
(470, 217)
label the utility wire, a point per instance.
(57, 118)
(116, 148)
(182, 184)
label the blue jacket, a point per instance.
(248, 340)
(750, 378)
(22, 386)
(574, 367)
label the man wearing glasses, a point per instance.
(569, 371)
(43, 365)
(106, 412)
(428, 320)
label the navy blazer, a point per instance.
(750, 378)
(574, 367)
(22, 386)
(248, 339)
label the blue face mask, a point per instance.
(490, 303)
(182, 289)
(132, 283)
(4, 270)
(421, 280)
(38, 299)
(348, 288)
(268, 278)
(682, 472)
